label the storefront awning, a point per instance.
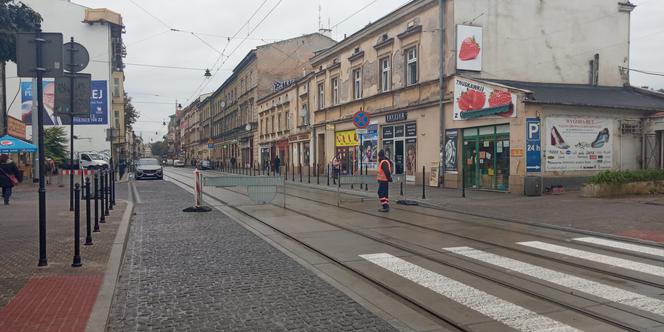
(9, 144)
(485, 112)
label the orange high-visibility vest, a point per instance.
(380, 175)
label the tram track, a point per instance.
(461, 265)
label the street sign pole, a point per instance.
(71, 124)
(43, 261)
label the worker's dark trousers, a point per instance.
(383, 193)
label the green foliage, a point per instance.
(131, 114)
(55, 140)
(622, 177)
(15, 17)
(159, 148)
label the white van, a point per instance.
(91, 160)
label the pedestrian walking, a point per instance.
(123, 167)
(336, 169)
(49, 167)
(277, 165)
(384, 177)
(9, 177)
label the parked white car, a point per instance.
(178, 163)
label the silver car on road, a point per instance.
(148, 168)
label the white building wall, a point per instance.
(548, 41)
(66, 17)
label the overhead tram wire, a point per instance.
(199, 88)
(243, 40)
(353, 14)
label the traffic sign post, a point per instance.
(361, 119)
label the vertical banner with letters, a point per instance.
(533, 145)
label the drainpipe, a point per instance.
(441, 85)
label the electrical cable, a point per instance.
(353, 14)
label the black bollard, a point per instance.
(113, 188)
(317, 174)
(328, 175)
(96, 203)
(77, 226)
(268, 169)
(366, 172)
(463, 185)
(102, 198)
(88, 230)
(106, 198)
(424, 195)
(109, 185)
(300, 172)
(352, 167)
(309, 173)
(293, 172)
(401, 188)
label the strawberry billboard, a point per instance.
(469, 48)
(471, 96)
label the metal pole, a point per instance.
(3, 105)
(71, 123)
(88, 230)
(317, 174)
(113, 185)
(366, 172)
(328, 175)
(96, 203)
(441, 82)
(309, 173)
(300, 171)
(77, 227)
(102, 197)
(463, 184)
(351, 166)
(43, 261)
(424, 195)
(293, 172)
(106, 198)
(110, 189)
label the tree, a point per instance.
(159, 148)
(14, 17)
(130, 113)
(55, 140)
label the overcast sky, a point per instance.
(150, 41)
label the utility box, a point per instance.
(533, 186)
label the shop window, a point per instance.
(411, 66)
(357, 83)
(385, 77)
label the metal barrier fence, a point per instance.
(261, 189)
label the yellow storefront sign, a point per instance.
(346, 138)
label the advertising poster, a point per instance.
(472, 96)
(388, 147)
(451, 143)
(98, 105)
(533, 145)
(369, 144)
(578, 144)
(469, 48)
(411, 159)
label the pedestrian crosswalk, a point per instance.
(607, 292)
(503, 311)
(522, 318)
(595, 257)
(622, 245)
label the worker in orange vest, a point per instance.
(384, 177)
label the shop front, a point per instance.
(346, 151)
(300, 145)
(486, 155)
(399, 141)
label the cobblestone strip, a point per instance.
(206, 272)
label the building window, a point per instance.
(335, 91)
(321, 96)
(116, 87)
(385, 77)
(279, 122)
(411, 66)
(357, 83)
(273, 124)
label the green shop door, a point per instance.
(486, 157)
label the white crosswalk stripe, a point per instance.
(610, 293)
(623, 245)
(507, 313)
(591, 256)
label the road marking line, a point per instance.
(610, 293)
(505, 312)
(622, 245)
(591, 256)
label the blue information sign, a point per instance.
(533, 145)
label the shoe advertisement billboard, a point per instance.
(578, 144)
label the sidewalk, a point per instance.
(640, 217)
(56, 297)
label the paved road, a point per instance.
(206, 272)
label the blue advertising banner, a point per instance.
(533, 145)
(98, 105)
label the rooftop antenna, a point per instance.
(320, 25)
